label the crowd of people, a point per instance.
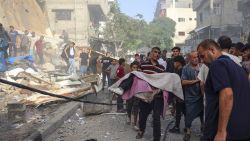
(215, 79)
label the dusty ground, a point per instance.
(111, 127)
(35, 117)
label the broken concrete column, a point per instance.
(93, 109)
(16, 111)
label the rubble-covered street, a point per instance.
(111, 126)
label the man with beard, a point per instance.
(227, 96)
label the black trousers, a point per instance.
(119, 103)
(180, 110)
(145, 109)
(104, 75)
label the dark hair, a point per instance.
(134, 63)
(180, 59)
(72, 43)
(121, 60)
(178, 48)
(208, 43)
(247, 46)
(239, 46)
(11, 26)
(157, 48)
(137, 54)
(225, 42)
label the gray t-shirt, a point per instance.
(112, 68)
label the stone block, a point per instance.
(16, 111)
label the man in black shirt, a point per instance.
(85, 55)
(227, 96)
(106, 62)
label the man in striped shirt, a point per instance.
(151, 67)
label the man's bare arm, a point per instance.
(189, 82)
(225, 109)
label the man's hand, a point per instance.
(221, 136)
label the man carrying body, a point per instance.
(156, 105)
(227, 96)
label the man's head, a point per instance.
(176, 51)
(11, 28)
(193, 58)
(208, 51)
(164, 53)
(108, 54)
(134, 66)
(41, 37)
(33, 34)
(155, 53)
(179, 62)
(225, 43)
(26, 32)
(114, 62)
(71, 44)
(246, 51)
(238, 48)
(137, 57)
(121, 62)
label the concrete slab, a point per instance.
(62, 114)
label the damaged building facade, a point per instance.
(216, 18)
(182, 13)
(80, 18)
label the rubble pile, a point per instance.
(47, 80)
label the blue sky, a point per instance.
(144, 7)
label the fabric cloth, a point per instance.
(84, 58)
(163, 63)
(171, 83)
(225, 73)
(112, 69)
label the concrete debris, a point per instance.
(46, 79)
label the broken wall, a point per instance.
(23, 14)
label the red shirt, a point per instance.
(120, 72)
(39, 46)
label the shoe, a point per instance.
(118, 91)
(136, 128)
(175, 130)
(187, 137)
(139, 135)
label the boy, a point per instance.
(133, 103)
(120, 72)
(179, 62)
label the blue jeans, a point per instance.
(83, 69)
(72, 67)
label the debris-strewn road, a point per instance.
(108, 127)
